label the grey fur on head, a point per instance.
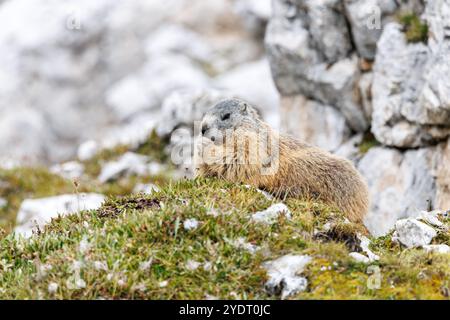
(228, 114)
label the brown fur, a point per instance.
(304, 171)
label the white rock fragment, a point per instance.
(207, 266)
(431, 218)
(190, 224)
(144, 266)
(271, 214)
(163, 284)
(359, 257)
(364, 244)
(284, 275)
(146, 188)
(70, 170)
(3, 203)
(87, 150)
(242, 243)
(192, 265)
(413, 233)
(100, 266)
(129, 163)
(52, 287)
(76, 266)
(437, 248)
(75, 283)
(84, 245)
(38, 212)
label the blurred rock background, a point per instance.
(366, 79)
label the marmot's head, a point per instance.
(229, 115)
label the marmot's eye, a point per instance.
(226, 116)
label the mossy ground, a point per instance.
(369, 141)
(19, 184)
(104, 253)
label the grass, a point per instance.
(416, 30)
(136, 247)
(22, 183)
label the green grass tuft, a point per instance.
(137, 247)
(416, 30)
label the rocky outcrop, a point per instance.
(95, 70)
(411, 95)
(344, 67)
(310, 50)
(314, 116)
(403, 183)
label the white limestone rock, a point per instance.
(314, 123)
(400, 185)
(128, 164)
(253, 82)
(367, 18)
(191, 224)
(87, 150)
(146, 188)
(310, 52)
(411, 92)
(284, 275)
(437, 248)
(38, 212)
(3, 203)
(413, 233)
(358, 257)
(271, 214)
(71, 170)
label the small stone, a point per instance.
(271, 214)
(3, 203)
(145, 188)
(364, 244)
(193, 265)
(437, 248)
(75, 283)
(284, 276)
(359, 257)
(84, 246)
(100, 265)
(431, 218)
(128, 164)
(242, 243)
(163, 284)
(413, 233)
(70, 170)
(190, 224)
(87, 150)
(52, 287)
(146, 264)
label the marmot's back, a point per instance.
(307, 171)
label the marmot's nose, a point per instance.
(204, 129)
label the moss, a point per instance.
(154, 147)
(143, 249)
(368, 142)
(415, 29)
